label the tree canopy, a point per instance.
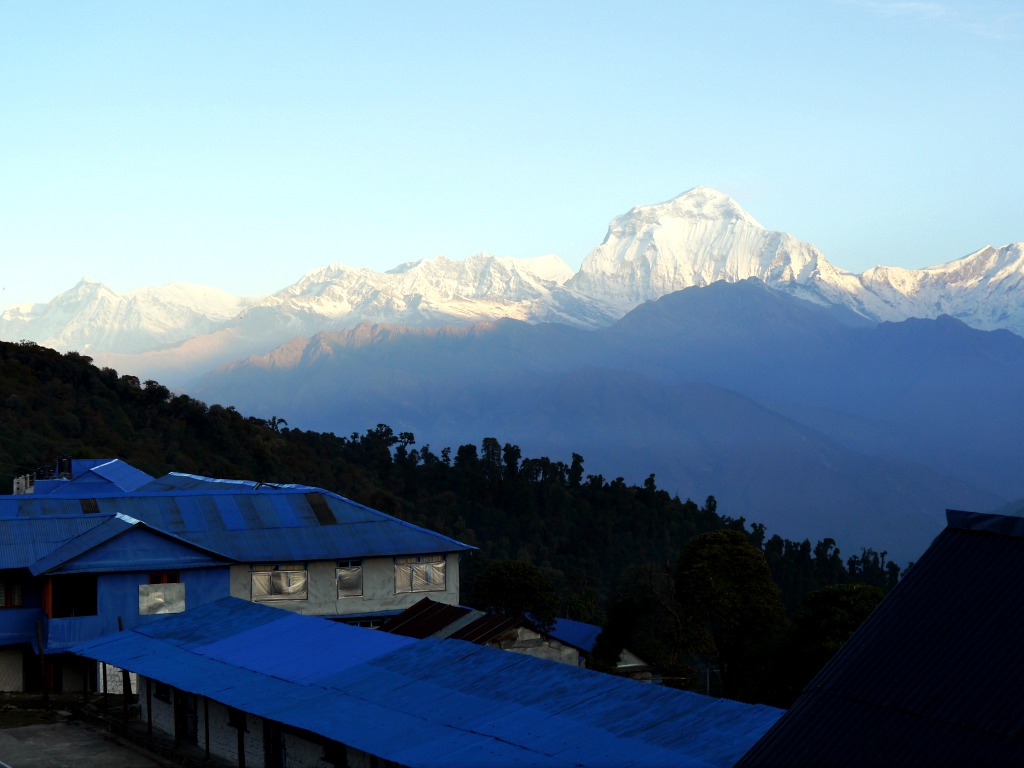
(678, 582)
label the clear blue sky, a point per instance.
(241, 144)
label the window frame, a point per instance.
(278, 571)
(12, 593)
(354, 565)
(405, 574)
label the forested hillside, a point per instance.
(593, 538)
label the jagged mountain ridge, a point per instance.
(92, 317)
(692, 240)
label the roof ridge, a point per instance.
(986, 522)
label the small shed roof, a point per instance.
(420, 702)
(91, 477)
(578, 634)
(429, 618)
(933, 677)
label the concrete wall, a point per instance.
(531, 643)
(114, 679)
(11, 667)
(378, 589)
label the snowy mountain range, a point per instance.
(700, 237)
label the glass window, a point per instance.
(10, 593)
(350, 578)
(161, 598)
(420, 573)
(279, 582)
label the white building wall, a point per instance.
(378, 589)
(300, 751)
(163, 711)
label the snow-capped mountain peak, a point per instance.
(694, 239)
(90, 316)
(694, 204)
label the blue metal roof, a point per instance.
(95, 477)
(578, 634)
(429, 702)
(934, 676)
(119, 473)
(121, 543)
(249, 521)
(23, 541)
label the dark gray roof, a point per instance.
(934, 676)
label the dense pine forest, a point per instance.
(713, 603)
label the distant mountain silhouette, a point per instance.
(808, 418)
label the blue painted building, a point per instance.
(111, 546)
(267, 688)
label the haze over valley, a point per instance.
(693, 343)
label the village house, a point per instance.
(264, 688)
(567, 642)
(108, 547)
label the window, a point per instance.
(166, 597)
(10, 593)
(164, 577)
(71, 596)
(350, 578)
(419, 573)
(279, 582)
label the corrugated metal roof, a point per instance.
(424, 618)
(247, 521)
(109, 527)
(934, 676)
(428, 702)
(578, 634)
(486, 628)
(428, 618)
(95, 477)
(121, 474)
(144, 547)
(23, 541)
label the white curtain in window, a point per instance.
(350, 581)
(279, 585)
(419, 577)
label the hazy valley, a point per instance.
(693, 343)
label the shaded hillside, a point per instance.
(583, 529)
(787, 412)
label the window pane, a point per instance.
(290, 584)
(279, 585)
(350, 581)
(261, 585)
(161, 598)
(419, 577)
